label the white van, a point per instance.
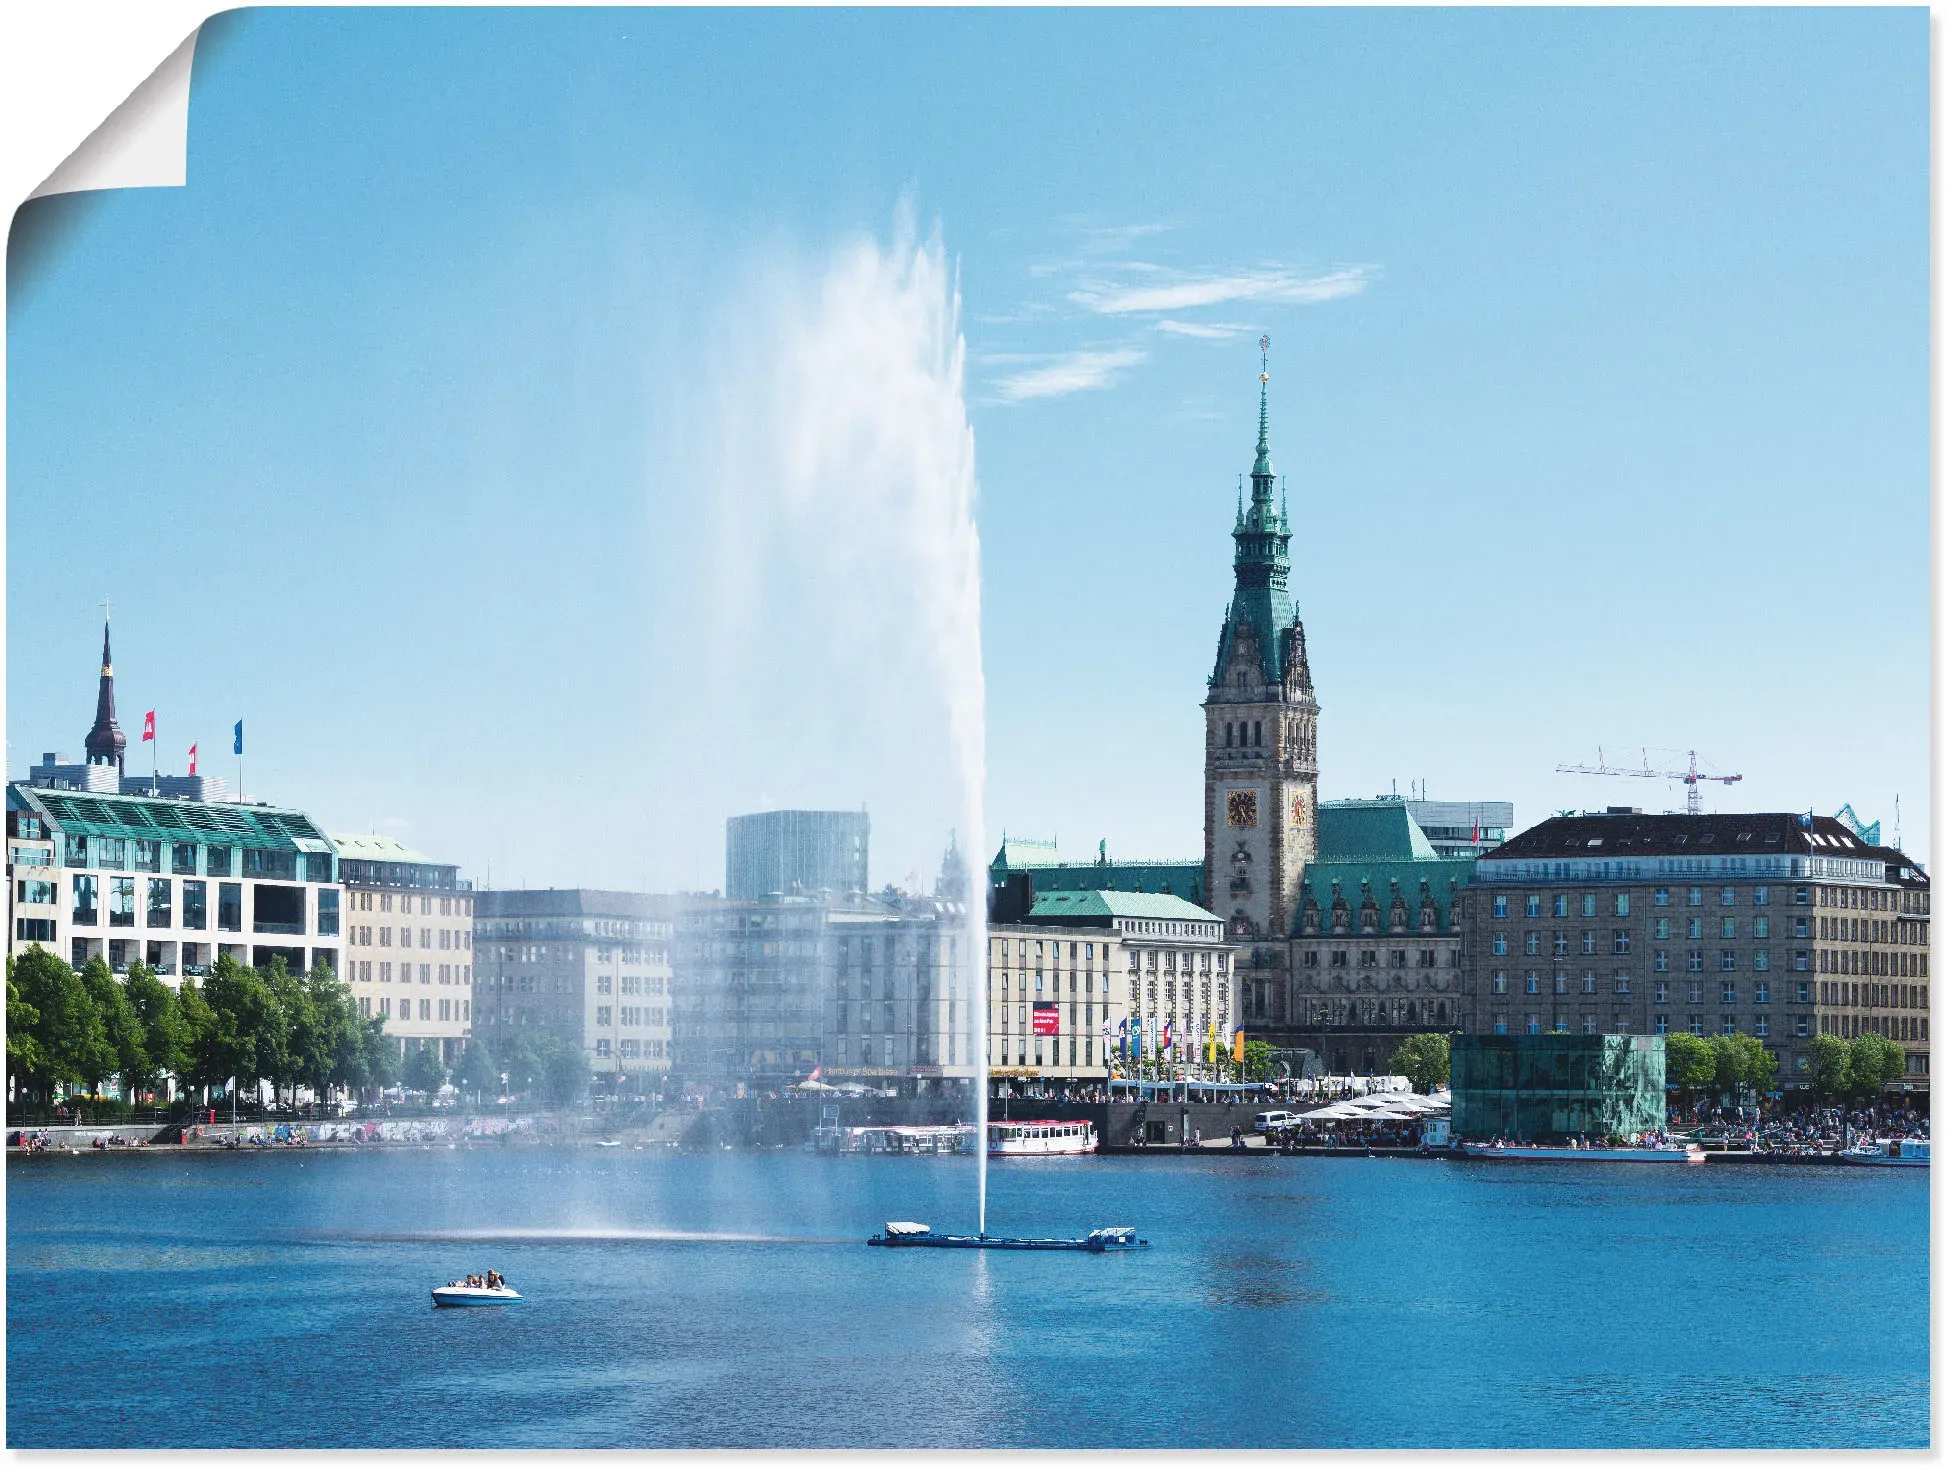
(1274, 1119)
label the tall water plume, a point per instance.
(816, 630)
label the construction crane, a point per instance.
(1693, 797)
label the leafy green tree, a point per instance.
(1426, 1059)
(423, 1070)
(165, 1035)
(246, 1037)
(68, 1036)
(1689, 1062)
(1831, 1062)
(23, 1019)
(119, 1038)
(478, 1074)
(564, 1069)
(327, 1042)
(1257, 1060)
(370, 1059)
(198, 1022)
(1872, 1062)
(281, 1057)
(522, 1065)
(1743, 1061)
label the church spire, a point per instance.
(106, 743)
(1263, 465)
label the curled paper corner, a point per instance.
(143, 144)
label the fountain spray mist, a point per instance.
(828, 602)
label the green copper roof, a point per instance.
(1370, 829)
(376, 848)
(1382, 879)
(1116, 904)
(245, 825)
(1021, 853)
(1262, 599)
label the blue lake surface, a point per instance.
(728, 1300)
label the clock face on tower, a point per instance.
(1241, 809)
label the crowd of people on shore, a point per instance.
(1805, 1130)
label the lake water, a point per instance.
(728, 1300)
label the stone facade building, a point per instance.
(408, 941)
(589, 966)
(1086, 977)
(1765, 924)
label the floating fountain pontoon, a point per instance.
(918, 1234)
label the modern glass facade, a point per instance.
(1543, 1088)
(791, 852)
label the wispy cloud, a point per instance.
(1067, 373)
(1202, 329)
(1270, 285)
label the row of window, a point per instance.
(1536, 984)
(1694, 1023)
(1874, 963)
(448, 975)
(1559, 905)
(1048, 1053)
(448, 904)
(277, 909)
(631, 1016)
(1872, 994)
(210, 860)
(450, 1009)
(1426, 956)
(449, 940)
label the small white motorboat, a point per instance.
(1889, 1152)
(459, 1295)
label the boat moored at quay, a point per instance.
(1673, 1154)
(1010, 1137)
(1909, 1153)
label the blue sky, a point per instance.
(1599, 379)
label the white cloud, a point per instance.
(1069, 373)
(1275, 285)
(1201, 329)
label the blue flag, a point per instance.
(239, 745)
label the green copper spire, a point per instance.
(1263, 465)
(1263, 562)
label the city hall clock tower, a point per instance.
(1260, 766)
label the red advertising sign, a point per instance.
(1047, 1019)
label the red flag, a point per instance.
(148, 726)
(192, 761)
(1477, 830)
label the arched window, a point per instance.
(1257, 733)
(1227, 733)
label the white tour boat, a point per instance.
(459, 1295)
(1040, 1137)
(1888, 1152)
(1622, 1154)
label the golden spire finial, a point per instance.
(1264, 354)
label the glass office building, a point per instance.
(1546, 1087)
